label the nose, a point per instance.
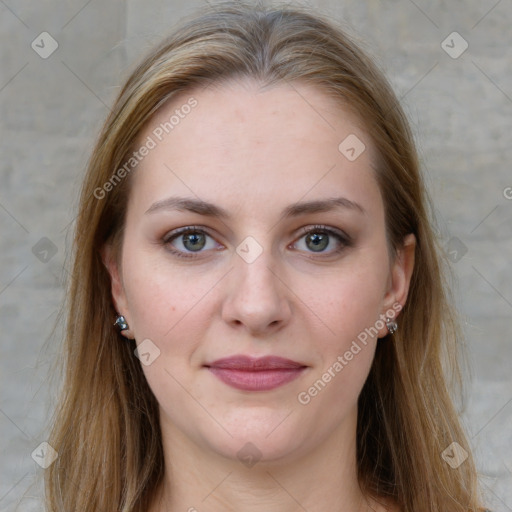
(257, 297)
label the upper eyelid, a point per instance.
(321, 227)
(185, 229)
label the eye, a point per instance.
(187, 242)
(320, 239)
(190, 241)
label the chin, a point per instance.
(270, 438)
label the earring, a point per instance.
(392, 326)
(120, 323)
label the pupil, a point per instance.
(320, 241)
(193, 241)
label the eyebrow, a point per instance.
(211, 210)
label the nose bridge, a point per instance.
(255, 269)
(257, 296)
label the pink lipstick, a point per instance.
(255, 374)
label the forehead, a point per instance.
(238, 140)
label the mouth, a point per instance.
(255, 374)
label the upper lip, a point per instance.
(249, 363)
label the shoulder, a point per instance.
(389, 506)
(382, 504)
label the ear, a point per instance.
(400, 279)
(113, 267)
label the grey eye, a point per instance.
(189, 241)
(194, 241)
(317, 242)
(322, 240)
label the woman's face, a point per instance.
(284, 255)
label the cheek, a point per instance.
(164, 302)
(159, 306)
(350, 309)
(173, 310)
(349, 301)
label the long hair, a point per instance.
(106, 425)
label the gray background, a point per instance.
(51, 110)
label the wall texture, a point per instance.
(61, 64)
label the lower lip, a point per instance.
(262, 380)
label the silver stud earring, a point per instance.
(392, 326)
(120, 323)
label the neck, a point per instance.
(199, 479)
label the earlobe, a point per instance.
(121, 325)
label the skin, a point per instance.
(254, 151)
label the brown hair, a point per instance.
(106, 427)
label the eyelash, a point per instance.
(341, 237)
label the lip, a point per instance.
(255, 373)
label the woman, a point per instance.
(254, 224)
